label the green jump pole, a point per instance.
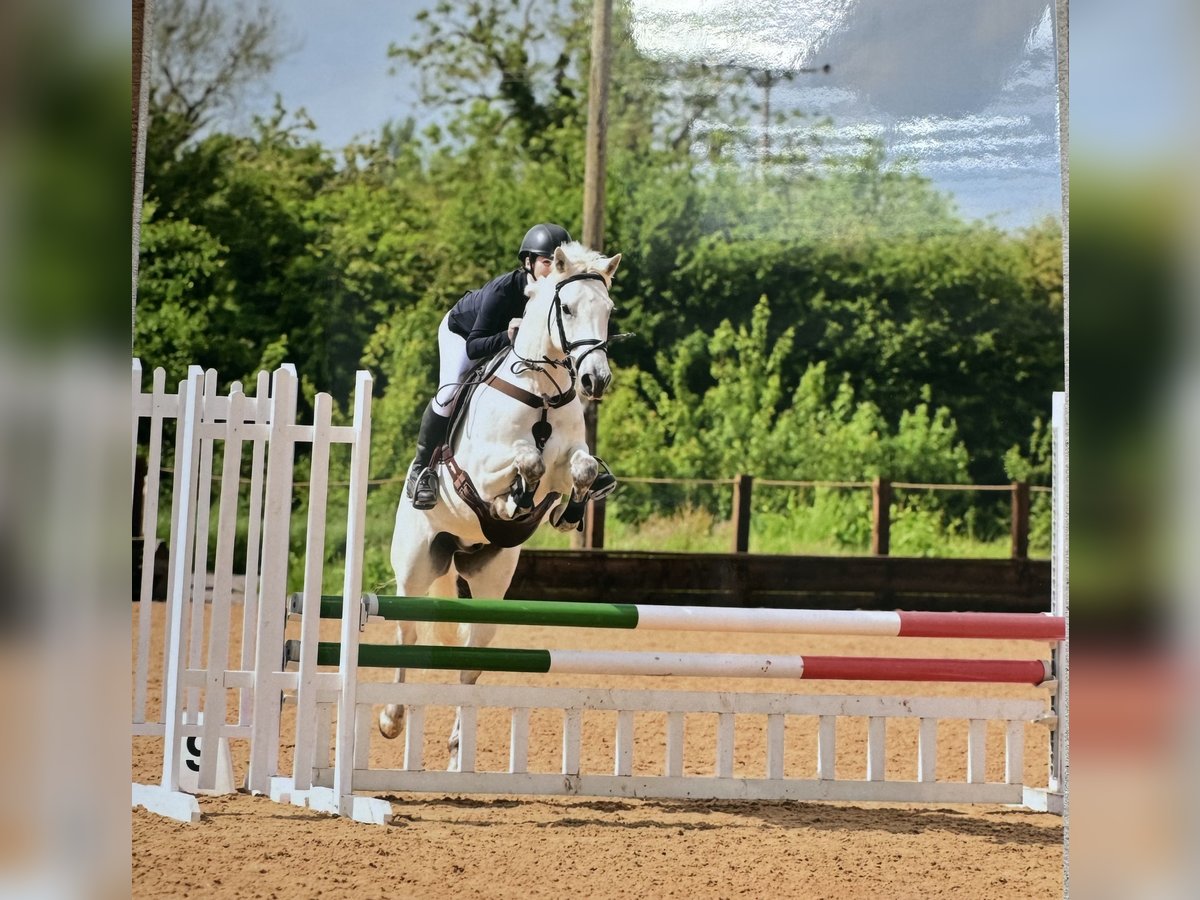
(730, 665)
(897, 623)
(496, 612)
(388, 656)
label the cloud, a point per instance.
(932, 57)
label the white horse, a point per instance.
(521, 445)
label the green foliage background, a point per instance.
(799, 315)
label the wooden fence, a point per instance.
(882, 496)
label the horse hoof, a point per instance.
(390, 726)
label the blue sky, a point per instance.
(1132, 94)
(964, 91)
(338, 67)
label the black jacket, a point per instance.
(481, 317)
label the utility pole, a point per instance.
(143, 38)
(593, 212)
(767, 79)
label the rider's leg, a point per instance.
(421, 485)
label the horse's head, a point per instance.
(574, 306)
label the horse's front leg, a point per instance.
(584, 469)
(528, 470)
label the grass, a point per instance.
(695, 531)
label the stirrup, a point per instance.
(424, 492)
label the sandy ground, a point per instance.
(247, 846)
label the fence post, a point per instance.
(742, 486)
(593, 525)
(591, 536)
(1020, 519)
(881, 516)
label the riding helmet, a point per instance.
(540, 240)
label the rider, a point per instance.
(479, 326)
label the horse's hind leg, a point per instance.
(490, 573)
(477, 635)
(391, 717)
(419, 558)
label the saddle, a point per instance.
(500, 532)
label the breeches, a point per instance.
(452, 366)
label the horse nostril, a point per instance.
(593, 385)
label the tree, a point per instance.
(965, 312)
(529, 64)
(205, 57)
(753, 417)
(185, 299)
(900, 336)
(493, 52)
(293, 259)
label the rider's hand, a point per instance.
(513, 325)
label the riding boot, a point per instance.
(421, 485)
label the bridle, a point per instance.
(593, 344)
(554, 317)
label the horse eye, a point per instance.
(567, 311)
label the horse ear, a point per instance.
(560, 260)
(610, 268)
